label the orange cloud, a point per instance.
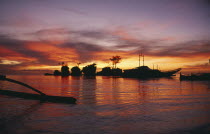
(5, 51)
(53, 52)
(43, 54)
(8, 54)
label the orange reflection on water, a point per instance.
(116, 104)
(164, 95)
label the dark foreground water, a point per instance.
(108, 106)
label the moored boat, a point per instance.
(146, 72)
(201, 76)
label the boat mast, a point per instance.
(140, 54)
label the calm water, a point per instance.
(108, 106)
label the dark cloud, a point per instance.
(73, 35)
(94, 34)
(85, 50)
(50, 35)
(12, 44)
(189, 48)
(153, 47)
(75, 40)
(156, 48)
(139, 45)
(20, 47)
(51, 31)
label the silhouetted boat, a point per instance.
(43, 98)
(201, 76)
(146, 72)
(40, 96)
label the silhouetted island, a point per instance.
(138, 72)
(76, 71)
(107, 71)
(114, 71)
(89, 70)
(64, 71)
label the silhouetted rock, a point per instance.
(76, 71)
(89, 70)
(65, 71)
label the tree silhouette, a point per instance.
(78, 64)
(89, 70)
(115, 59)
(106, 71)
(65, 71)
(75, 71)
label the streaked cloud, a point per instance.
(41, 53)
(9, 62)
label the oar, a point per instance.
(41, 96)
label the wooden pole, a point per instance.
(2, 77)
(40, 96)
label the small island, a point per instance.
(141, 72)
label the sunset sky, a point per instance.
(38, 34)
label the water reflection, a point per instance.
(88, 90)
(64, 85)
(18, 117)
(111, 105)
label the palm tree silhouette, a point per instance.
(115, 59)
